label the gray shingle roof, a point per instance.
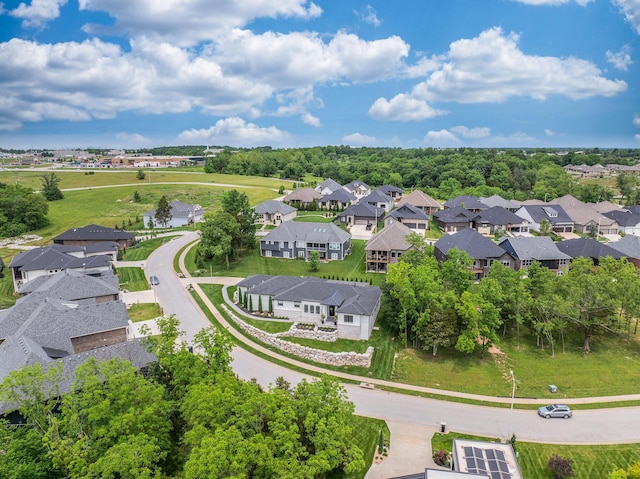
(553, 214)
(311, 232)
(73, 285)
(497, 200)
(355, 184)
(456, 214)
(466, 201)
(94, 233)
(409, 211)
(629, 245)
(330, 184)
(353, 298)
(377, 196)
(274, 206)
(392, 236)
(623, 217)
(497, 215)
(540, 248)
(363, 210)
(341, 195)
(470, 241)
(386, 189)
(587, 248)
(305, 195)
(181, 210)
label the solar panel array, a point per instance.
(494, 464)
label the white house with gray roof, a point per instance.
(328, 186)
(274, 212)
(297, 239)
(527, 249)
(182, 214)
(352, 307)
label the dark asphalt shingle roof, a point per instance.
(377, 196)
(470, 241)
(623, 217)
(497, 215)
(73, 285)
(311, 232)
(555, 214)
(466, 201)
(456, 214)
(587, 248)
(274, 206)
(629, 245)
(409, 212)
(386, 189)
(330, 184)
(341, 195)
(94, 233)
(363, 210)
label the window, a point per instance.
(506, 262)
(334, 255)
(301, 244)
(393, 254)
(348, 318)
(286, 254)
(296, 304)
(318, 309)
(527, 262)
(280, 303)
(306, 308)
(334, 245)
(267, 253)
(300, 254)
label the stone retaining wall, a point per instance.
(316, 355)
(294, 332)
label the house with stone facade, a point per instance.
(302, 197)
(337, 200)
(328, 186)
(555, 215)
(351, 307)
(422, 201)
(498, 220)
(454, 219)
(274, 212)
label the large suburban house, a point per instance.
(352, 307)
(588, 248)
(629, 246)
(497, 200)
(482, 250)
(95, 234)
(378, 199)
(92, 260)
(422, 201)
(274, 212)
(392, 191)
(328, 186)
(410, 216)
(497, 219)
(527, 249)
(628, 222)
(361, 214)
(182, 214)
(386, 247)
(297, 239)
(337, 200)
(66, 314)
(585, 216)
(558, 219)
(302, 197)
(454, 219)
(358, 188)
(470, 203)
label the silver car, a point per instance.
(555, 410)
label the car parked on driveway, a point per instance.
(555, 410)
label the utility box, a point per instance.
(553, 388)
(443, 427)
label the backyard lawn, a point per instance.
(142, 250)
(133, 279)
(313, 217)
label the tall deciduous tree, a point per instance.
(237, 205)
(21, 210)
(163, 212)
(217, 235)
(50, 189)
(401, 289)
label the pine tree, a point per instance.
(250, 303)
(260, 303)
(270, 305)
(163, 212)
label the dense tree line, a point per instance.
(191, 417)
(441, 173)
(433, 304)
(21, 210)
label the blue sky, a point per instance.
(294, 73)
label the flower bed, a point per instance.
(306, 326)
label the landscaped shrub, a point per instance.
(561, 467)
(306, 326)
(441, 458)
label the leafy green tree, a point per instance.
(2, 267)
(21, 210)
(456, 271)
(163, 212)
(141, 175)
(136, 197)
(237, 205)
(24, 455)
(560, 467)
(436, 326)
(401, 289)
(217, 234)
(50, 189)
(545, 228)
(314, 261)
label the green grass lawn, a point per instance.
(270, 327)
(144, 311)
(313, 217)
(133, 279)
(81, 179)
(352, 267)
(111, 206)
(143, 249)
(337, 346)
(575, 373)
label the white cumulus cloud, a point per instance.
(475, 133)
(402, 108)
(636, 120)
(309, 119)
(631, 11)
(441, 138)
(490, 68)
(235, 131)
(368, 15)
(38, 12)
(358, 139)
(620, 60)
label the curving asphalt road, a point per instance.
(615, 425)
